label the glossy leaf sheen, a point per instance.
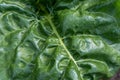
(57, 40)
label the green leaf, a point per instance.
(92, 46)
(95, 66)
(57, 40)
(73, 22)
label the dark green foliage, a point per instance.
(59, 39)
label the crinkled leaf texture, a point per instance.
(71, 45)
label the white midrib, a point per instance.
(61, 42)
